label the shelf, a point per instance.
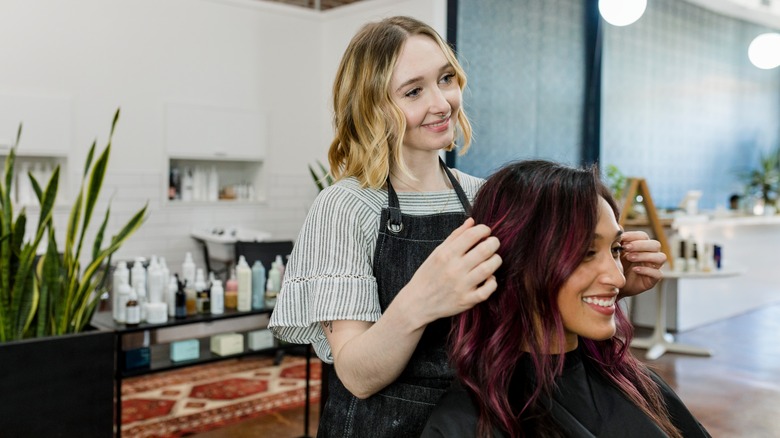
(241, 180)
(161, 361)
(105, 321)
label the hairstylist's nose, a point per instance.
(439, 103)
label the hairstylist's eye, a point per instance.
(414, 92)
(447, 78)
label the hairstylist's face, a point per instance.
(587, 299)
(424, 86)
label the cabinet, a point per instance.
(160, 353)
(205, 143)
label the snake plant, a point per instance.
(52, 293)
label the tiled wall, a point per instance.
(682, 105)
(524, 59)
(166, 232)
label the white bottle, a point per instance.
(270, 294)
(274, 278)
(199, 286)
(121, 275)
(166, 278)
(138, 274)
(217, 298)
(170, 297)
(156, 282)
(280, 266)
(244, 277)
(213, 184)
(143, 299)
(132, 310)
(187, 185)
(123, 293)
(188, 270)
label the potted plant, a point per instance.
(46, 296)
(764, 181)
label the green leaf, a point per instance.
(99, 236)
(88, 162)
(316, 178)
(93, 191)
(36, 186)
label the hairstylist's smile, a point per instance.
(439, 126)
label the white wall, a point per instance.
(141, 54)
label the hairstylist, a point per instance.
(388, 251)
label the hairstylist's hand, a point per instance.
(642, 260)
(458, 274)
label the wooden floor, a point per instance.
(734, 393)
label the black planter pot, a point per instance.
(61, 386)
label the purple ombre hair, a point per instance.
(545, 215)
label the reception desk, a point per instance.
(751, 246)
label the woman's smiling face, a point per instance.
(425, 87)
(587, 299)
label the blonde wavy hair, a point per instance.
(369, 126)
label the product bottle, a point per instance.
(138, 274)
(123, 293)
(133, 310)
(188, 269)
(270, 294)
(258, 285)
(213, 184)
(200, 287)
(170, 298)
(143, 299)
(121, 275)
(155, 281)
(231, 291)
(680, 260)
(244, 276)
(181, 299)
(275, 278)
(691, 262)
(217, 298)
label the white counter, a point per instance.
(751, 245)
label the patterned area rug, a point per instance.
(204, 397)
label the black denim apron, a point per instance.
(402, 408)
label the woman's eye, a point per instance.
(447, 79)
(590, 254)
(414, 92)
(616, 251)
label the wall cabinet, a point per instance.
(212, 133)
(215, 154)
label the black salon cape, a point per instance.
(584, 405)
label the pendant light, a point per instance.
(764, 51)
(622, 12)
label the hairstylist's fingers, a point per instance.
(482, 251)
(463, 243)
(468, 223)
(484, 268)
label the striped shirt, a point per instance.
(330, 272)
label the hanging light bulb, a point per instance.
(764, 51)
(622, 12)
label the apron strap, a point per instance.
(394, 223)
(464, 200)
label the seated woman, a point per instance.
(548, 353)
